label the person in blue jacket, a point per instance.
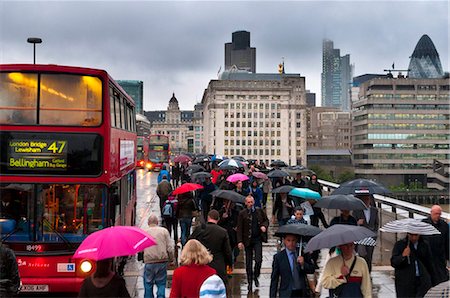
(162, 173)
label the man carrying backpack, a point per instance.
(169, 215)
(163, 190)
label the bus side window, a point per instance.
(114, 204)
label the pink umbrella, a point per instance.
(237, 177)
(260, 175)
(114, 242)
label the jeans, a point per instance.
(185, 225)
(155, 273)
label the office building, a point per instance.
(178, 125)
(425, 62)
(337, 73)
(239, 54)
(310, 99)
(258, 116)
(198, 128)
(136, 90)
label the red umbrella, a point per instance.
(260, 175)
(187, 187)
(182, 158)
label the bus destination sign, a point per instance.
(26, 154)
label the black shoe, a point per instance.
(256, 282)
(250, 287)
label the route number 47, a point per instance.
(57, 146)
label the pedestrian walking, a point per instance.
(411, 259)
(344, 219)
(163, 190)
(176, 175)
(163, 172)
(205, 197)
(185, 213)
(215, 239)
(229, 214)
(367, 218)
(283, 209)
(315, 185)
(293, 282)
(299, 181)
(266, 188)
(298, 217)
(169, 216)
(439, 245)
(9, 272)
(251, 232)
(188, 279)
(156, 259)
(104, 282)
(256, 192)
(347, 275)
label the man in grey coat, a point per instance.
(367, 218)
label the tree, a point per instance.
(346, 176)
(322, 174)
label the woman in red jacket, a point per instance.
(187, 279)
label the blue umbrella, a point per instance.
(305, 193)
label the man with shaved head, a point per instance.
(439, 245)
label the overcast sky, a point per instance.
(179, 46)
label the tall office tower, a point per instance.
(336, 77)
(238, 53)
(425, 62)
(136, 90)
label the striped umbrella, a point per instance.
(410, 225)
(369, 241)
(230, 164)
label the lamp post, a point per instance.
(34, 41)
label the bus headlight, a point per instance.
(86, 266)
(149, 166)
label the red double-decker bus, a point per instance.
(142, 160)
(159, 151)
(67, 167)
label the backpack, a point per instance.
(168, 210)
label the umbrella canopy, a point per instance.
(239, 158)
(259, 175)
(338, 235)
(182, 158)
(277, 174)
(201, 176)
(278, 163)
(228, 195)
(195, 169)
(283, 189)
(114, 242)
(343, 202)
(294, 170)
(439, 291)
(218, 157)
(305, 193)
(369, 241)
(237, 177)
(410, 225)
(201, 159)
(298, 229)
(230, 164)
(186, 187)
(361, 186)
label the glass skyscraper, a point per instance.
(425, 62)
(238, 53)
(135, 89)
(337, 75)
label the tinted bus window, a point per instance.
(117, 109)
(18, 98)
(70, 100)
(34, 153)
(123, 114)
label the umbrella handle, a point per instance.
(409, 261)
(300, 250)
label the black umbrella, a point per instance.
(228, 195)
(298, 229)
(283, 189)
(277, 174)
(200, 175)
(278, 163)
(337, 235)
(343, 202)
(195, 169)
(360, 187)
(201, 160)
(294, 170)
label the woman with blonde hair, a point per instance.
(188, 278)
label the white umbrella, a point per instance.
(409, 225)
(369, 241)
(230, 163)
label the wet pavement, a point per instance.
(148, 202)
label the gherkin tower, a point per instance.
(425, 62)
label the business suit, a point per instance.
(215, 239)
(281, 268)
(373, 225)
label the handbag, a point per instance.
(339, 291)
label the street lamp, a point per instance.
(34, 41)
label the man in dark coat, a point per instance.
(314, 185)
(367, 218)
(251, 232)
(9, 272)
(439, 245)
(215, 239)
(413, 269)
(163, 190)
(293, 282)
